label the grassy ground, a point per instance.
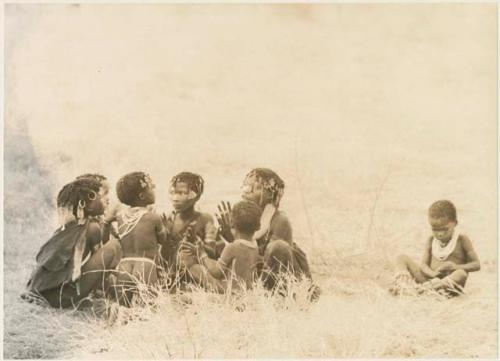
(355, 317)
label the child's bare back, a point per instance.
(142, 240)
(141, 233)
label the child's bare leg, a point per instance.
(278, 261)
(94, 273)
(144, 272)
(96, 269)
(405, 265)
(202, 277)
(453, 282)
(459, 277)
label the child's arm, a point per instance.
(426, 261)
(161, 231)
(473, 263)
(209, 235)
(216, 268)
(110, 216)
(281, 228)
(94, 236)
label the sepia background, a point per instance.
(368, 112)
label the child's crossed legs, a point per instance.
(407, 267)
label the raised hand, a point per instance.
(224, 220)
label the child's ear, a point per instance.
(141, 196)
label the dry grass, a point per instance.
(362, 322)
(350, 320)
(355, 317)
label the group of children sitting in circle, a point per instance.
(117, 250)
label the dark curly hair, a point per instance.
(130, 186)
(245, 217)
(84, 189)
(94, 176)
(443, 209)
(194, 181)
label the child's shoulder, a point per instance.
(463, 236)
(280, 217)
(152, 216)
(243, 244)
(464, 239)
(280, 220)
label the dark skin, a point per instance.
(183, 205)
(183, 201)
(213, 266)
(144, 239)
(146, 197)
(253, 192)
(442, 229)
(94, 207)
(224, 220)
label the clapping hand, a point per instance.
(192, 248)
(224, 220)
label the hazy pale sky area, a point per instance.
(369, 112)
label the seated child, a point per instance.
(185, 190)
(448, 256)
(141, 233)
(72, 264)
(237, 266)
(282, 256)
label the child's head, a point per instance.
(136, 189)
(104, 190)
(81, 198)
(185, 190)
(245, 217)
(263, 186)
(443, 219)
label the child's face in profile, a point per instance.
(147, 196)
(104, 194)
(181, 196)
(442, 228)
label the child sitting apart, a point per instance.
(141, 233)
(72, 264)
(185, 190)
(448, 256)
(237, 266)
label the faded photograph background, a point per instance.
(368, 112)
